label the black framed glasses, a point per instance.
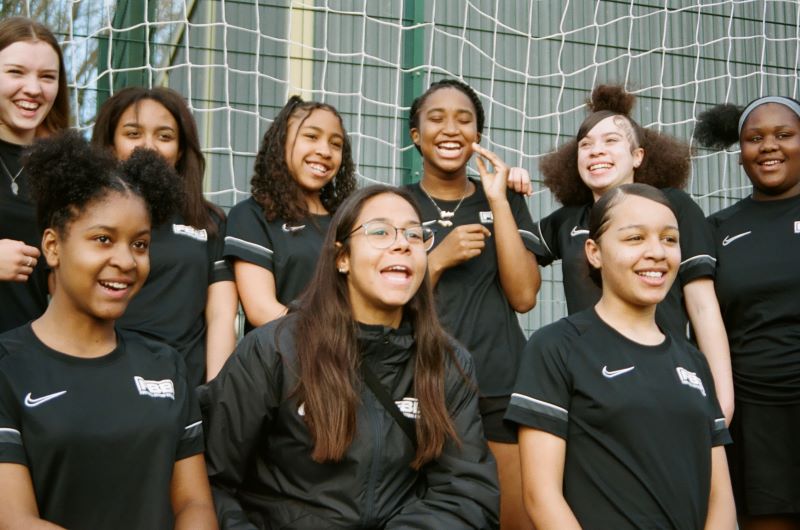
(382, 235)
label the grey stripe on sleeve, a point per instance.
(193, 431)
(10, 436)
(719, 424)
(247, 245)
(542, 407)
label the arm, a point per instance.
(461, 484)
(18, 511)
(221, 306)
(542, 458)
(704, 314)
(721, 508)
(17, 260)
(256, 286)
(517, 267)
(463, 243)
(191, 495)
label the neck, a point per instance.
(17, 138)
(74, 333)
(758, 195)
(637, 323)
(314, 204)
(451, 189)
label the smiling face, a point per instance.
(314, 145)
(638, 253)
(102, 259)
(770, 142)
(28, 88)
(381, 281)
(147, 124)
(606, 157)
(447, 129)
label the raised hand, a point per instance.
(17, 260)
(494, 182)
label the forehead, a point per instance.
(387, 206)
(34, 54)
(448, 98)
(321, 118)
(147, 110)
(636, 210)
(612, 124)
(771, 115)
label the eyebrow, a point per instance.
(115, 230)
(412, 222)
(441, 109)
(319, 129)
(633, 227)
(15, 65)
(137, 124)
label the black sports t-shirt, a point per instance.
(290, 251)
(469, 298)
(99, 436)
(758, 286)
(20, 302)
(170, 308)
(639, 421)
(562, 234)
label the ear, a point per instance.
(638, 156)
(593, 254)
(479, 139)
(342, 260)
(415, 136)
(51, 247)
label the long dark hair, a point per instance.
(327, 349)
(666, 161)
(19, 29)
(273, 186)
(191, 164)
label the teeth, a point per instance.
(599, 166)
(397, 268)
(116, 286)
(318, 168)
(28, 105)
(449, 145)
(651, 274)
(771, 163)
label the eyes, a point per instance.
(133, 133)
(587, 143)
(668, 238)
(19, 72)
(781, 135)
(463, 117)
(139, 246)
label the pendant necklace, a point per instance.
(14, 185)
(445, 216)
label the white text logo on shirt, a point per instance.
(190, 231)
(486, 217)
(797, 227)
(690, 379)
(409, 407)
(156, 389)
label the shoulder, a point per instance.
(144, 348)
(13, 342)
(720, 217)
(565, 215)
(680, 200)
(247, 207)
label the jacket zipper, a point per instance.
(375, 423)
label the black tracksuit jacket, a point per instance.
(259, 448)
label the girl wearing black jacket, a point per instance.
(298, 435)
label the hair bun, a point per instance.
(613, 98)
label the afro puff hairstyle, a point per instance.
(416, 105)
(67, 175)
(273, 185)
(666, 160)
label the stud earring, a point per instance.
(342, 270)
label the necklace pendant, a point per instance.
(444, 214)
(445, 222)
(15, 188)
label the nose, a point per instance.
(768, 143)
(33, 86)
(655, 248)
(400, 241)
(123, 257)
(323, 149)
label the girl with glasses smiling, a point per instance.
(356, 409)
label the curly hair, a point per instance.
(273, 185)
(718, 127)
(416, 105)
(21, 29)
(666, 161)
(67, 175)
(191, 164)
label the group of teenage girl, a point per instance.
(385, 381)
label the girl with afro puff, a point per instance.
(611, 149)
(303, 172)
(98, 426)
(758, 249)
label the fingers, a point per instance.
(17, 260)
(520, 181)
(474, 229)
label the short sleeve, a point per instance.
(542, 392)
(698, 251)
(190, 442)
(719, 431)
(247, 237)
(11, 448)
(522, 216)
(220, 269)
(544, 241)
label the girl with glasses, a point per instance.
(355, 410)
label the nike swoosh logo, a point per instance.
(577, 231)
(614, 373)
(728, 239)
(35, 402)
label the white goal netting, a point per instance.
(532, 62)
